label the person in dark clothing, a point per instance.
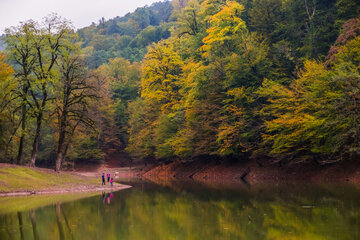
(103, 179)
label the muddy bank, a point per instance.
(256, 173)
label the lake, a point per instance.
(188, 210)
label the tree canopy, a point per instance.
(186, 80)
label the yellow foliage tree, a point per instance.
(161, 73)
(225, 26)
(6, 85)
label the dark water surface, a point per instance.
(194, 211)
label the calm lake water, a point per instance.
(194, 211)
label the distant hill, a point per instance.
(127, 36)
(2, 44)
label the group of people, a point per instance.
(108, 179)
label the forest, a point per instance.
(185, 80)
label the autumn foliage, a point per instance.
(229, 79)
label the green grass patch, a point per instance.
(30, 179)
(20, 204)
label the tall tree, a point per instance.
(20, 48)
(49, 43)
(35, 49)
(72, 101)
(160, 93)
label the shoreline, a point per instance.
(254, 172)
(202, 171)
(26, 181)
(80, 189)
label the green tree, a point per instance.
(20, 42)
(35, 50)
(318, 114)
(48, 44)
(72, 101)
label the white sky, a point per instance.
(81, 12)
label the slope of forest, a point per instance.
(128, 36)
(187, 80)
(2, 45)
(263, 78)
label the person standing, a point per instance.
(111, 181)
(103, 179)
(108, 177)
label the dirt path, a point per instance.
(117, 165)
(120, 172)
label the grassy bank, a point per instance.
(25, 203)
(16, 178)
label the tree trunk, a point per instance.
(59, 223)
(67, 223)
(36, 141)
(60, 154)
(39, 119)
(19, 158)
(20, 225)
(59, 159)
(33, 223)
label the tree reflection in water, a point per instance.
(192, 211)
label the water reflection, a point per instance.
(192, 211)
(107, 196)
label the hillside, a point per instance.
(187, 80)
(2, 44)
(128, 36)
